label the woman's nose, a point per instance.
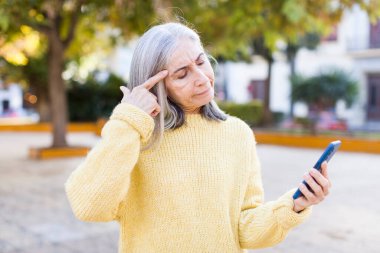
(200, 77)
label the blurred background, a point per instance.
(304, 71)
(293, 64)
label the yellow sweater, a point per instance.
(201, 191)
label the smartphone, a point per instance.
(326, 156)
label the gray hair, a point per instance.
(151, 56)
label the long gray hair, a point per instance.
(151, 56)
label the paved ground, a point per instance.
(35, 216)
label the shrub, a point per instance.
(324, 90)
(250, 112)
(321, 92)
(92, 100)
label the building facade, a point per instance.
(354, 47)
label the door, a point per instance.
(373, 108)
(257, 89)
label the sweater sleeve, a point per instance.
(263, 225)
(97, 187)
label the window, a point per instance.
(372, 96)
(374, 40)
(373, 108)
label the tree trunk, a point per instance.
(43, 106)
(41, 91)
(292, 61)
(314, 113)
(57, 89)
(267, 117)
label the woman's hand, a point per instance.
(319, 183)
(141, 97)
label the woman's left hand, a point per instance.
(320, 185)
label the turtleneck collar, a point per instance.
(198, 120)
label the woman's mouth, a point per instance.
(203, 93)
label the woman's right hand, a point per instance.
(141, 97)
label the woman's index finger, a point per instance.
(155, 79)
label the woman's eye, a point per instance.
(182, 76)
(201, 62)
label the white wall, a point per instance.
(119, 61)
(14, 95)
(354, 29)
(280, 86)
(239, 74)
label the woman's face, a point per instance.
(190, 82)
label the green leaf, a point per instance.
(4, 21)
(293, 10)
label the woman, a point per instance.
(177, 173)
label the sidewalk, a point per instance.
(35, 216)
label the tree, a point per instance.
(321, 92)
(260, 48)
(310, 41)
(56, 21)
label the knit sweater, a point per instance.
(200, 191)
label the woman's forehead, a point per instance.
(187, 51)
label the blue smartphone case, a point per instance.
(326, 156)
